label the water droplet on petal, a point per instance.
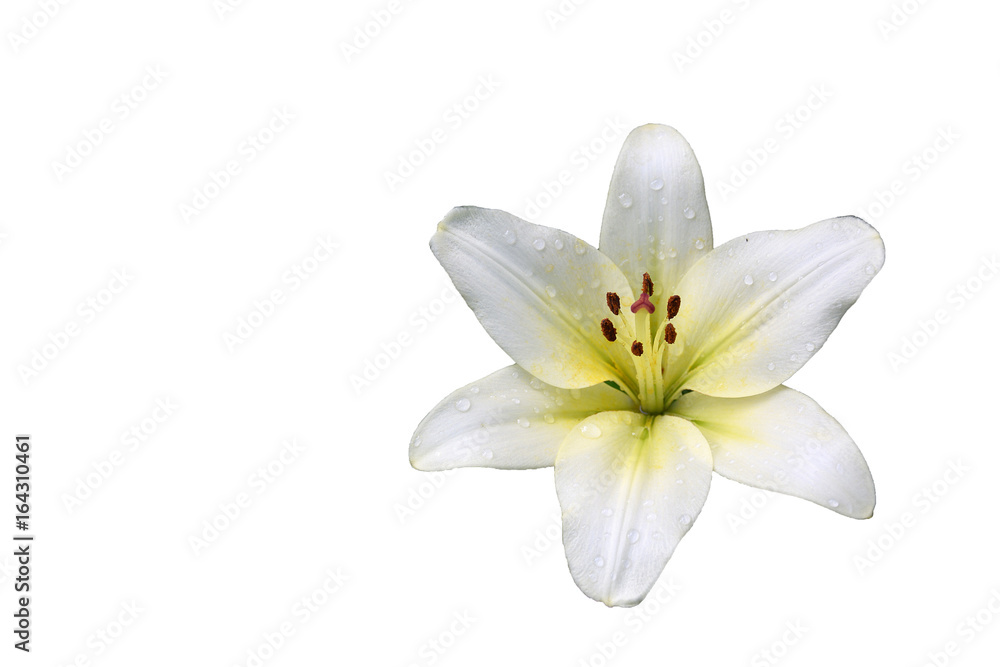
(810, 347)
(590, 431)
(869, 269)
(558, 244)
(487, 454)
(632, 536)
(416, 442)
(770, 366)
(599, 562)
(549, 419)
(672, 252)
(625, 199)
(681, 466)
(523, 423)
(748, 279)
(538, 244)
(473, 390)
(550, 290)
(685, 519)
(607, 511)
(656, 184)
(689, 213)
(772, 276)
(699, 244)
(510, 237)
(580, 249)
(463, 405)
(832, 503)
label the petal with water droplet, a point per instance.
(783, 441)
(622, 471)
(498, 430)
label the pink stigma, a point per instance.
(643, 302)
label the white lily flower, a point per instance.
(636, 399)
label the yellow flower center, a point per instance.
(645, 349)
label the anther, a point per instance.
(614, 303)
(643, 302)
(673, 305)
(608, 330)
(647, 284)
(637, 348)
(671, 334)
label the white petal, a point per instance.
(539, 292)
(630, 487)
(784, 441)
(509, 419)
(656, 217)
(756, 309)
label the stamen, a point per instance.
(647, 284)
(671, 334)
(608, 330)
(637, 348)
(643, 302)
(673, 305)
(614, 303)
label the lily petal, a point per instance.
(755, 309)
(508, 419)
(656, 217)
(783, 441)
(538, 291)
(630, 487)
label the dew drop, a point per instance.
(656, 184)
(416, 442)
(599, 562)
(626, 564)
(770, 366)
(869, 269)
(549, 419)
(661, 255)
(680, 466)
(772, 276)
(510, 237)
(593, 576)
(625, 199)
(672, 253)
(699, 244)
(463, 405)
(591, 431)
(632, 536)
(651, 516)
(832, 503)
(580, 249)
(550, 290)
(607, 511)
(685, 519)
(795, 357)
(810, 347)
(538, 244)
(689, 213)
(770, 235)
(523, 423)
(487, 454)
(473, 390)
(663, 199)
(748, 279)
(558, 244)
(680, 481)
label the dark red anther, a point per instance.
(671, 334)
(637, 348)
(608, 330)
(673, 305)
(643, 302)
(614, 303)
(647, 284)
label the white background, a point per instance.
(412, 551)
